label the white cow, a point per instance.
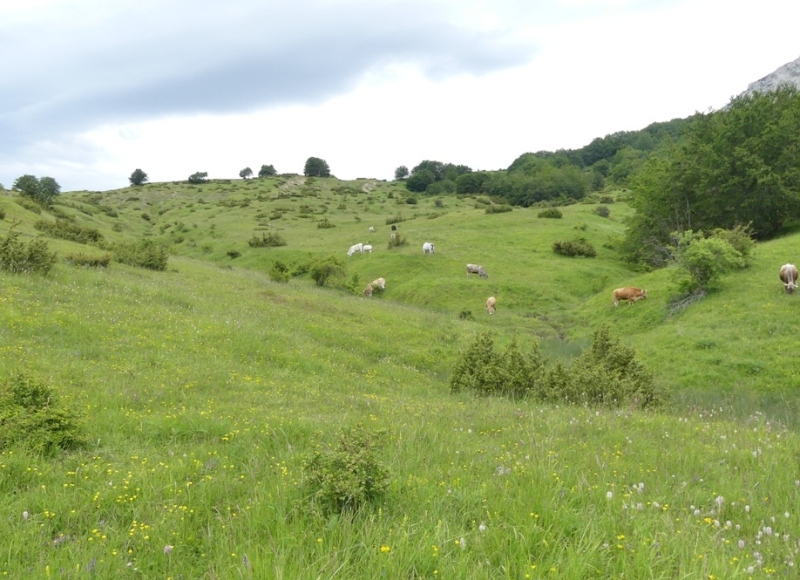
(427, 247)
(355, 248)
(379, 283)
(371, 229)
(367, 248)
(475, 269)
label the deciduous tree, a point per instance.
(138, 177)
(316, 167)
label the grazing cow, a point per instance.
(379, 283)
(475, 269)
(630, 294)
(371, 229)
(789, 277)
(394, 236)
(394, 228)
(367, 248)
(491, 303)
(368, 290)
(427, 247)
(355, 248)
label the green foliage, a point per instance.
(550, 212)
(411, 200)
(279, 272)
(246, 173)
(267, 171)
(576, 247)
(43, 190)
(349, 475)
(397, 241)
(266, 241)
(498, 208)
(233, 254)
(138, 177)
(325, 223)
(198, 178)
(86, 261)
(608, 374)
(316, 167)
(142, 254)
(419, 181)
(703, 260)
(17, 257)
(396, 219)
(32, 415)
(68, 230)
(602, 211)
(401, 173)
(326, 269)
(734, 166)
(2, 213)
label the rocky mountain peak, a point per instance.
(787, 74)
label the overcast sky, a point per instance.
(92, 89)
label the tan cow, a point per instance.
(379, 283)
(491, 303)
(789, 277)
(629, 293)
(368, 290)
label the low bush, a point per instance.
(395, 219)
(266, 241)
(324, 270)
(347, 476)
(325, 224)
(29, 204)
(397, 241)
(279, 272)
(66, 229)
(602, 211)
(17, 257)
(498, 208)
(142, 254)
(32, 415)
(572, 248)
(550, 212)
(85, 261)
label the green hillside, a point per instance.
(205, 387)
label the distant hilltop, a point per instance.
(787, 74)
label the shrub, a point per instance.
(85, 261)
(411, 200)
(32, 415)
(324, 224)
(606, 199)
(325, 269)
(395, 220)
(550, 212)
(266, 241)
(2, 213)
(233, 254)
(397, 241)
(602, 211)
(702, 261)
(572, 248)
(279, 272)
(498, 208)
(67, 230)
(347, 476)
(29, 204)
(142, 254)
(466, 315)
(17, 257)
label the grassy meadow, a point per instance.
(205, 387)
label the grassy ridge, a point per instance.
(205, 386)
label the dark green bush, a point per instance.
(395, 219)
(233, 254)
(550, 212)
(18, 257)
(279, 272)
(88, 261)
(325, 223)
(498, 208)
(142, 254)
(2, 213)
(572, 248)
(602, 211)
(266, 241)
(397, 241)
(66, 229)
(322, 271)
(32, 415)
(347, 476)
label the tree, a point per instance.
(420, 180)
(245, 173)
(316, 167)
(401, 172)
(704, 259)
(138, 177)
(43, 190)
(199, 177)
(267, 171)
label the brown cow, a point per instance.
(789, 277)
(630, 293)
(491, 302)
